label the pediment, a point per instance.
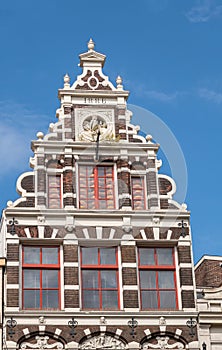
(92, 56)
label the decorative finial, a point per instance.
(91, 44)
(66, 81)
(119, 83)
(40, 135)
(149, 138)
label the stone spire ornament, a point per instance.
(119, 83)
(91, 45)
(66, 81)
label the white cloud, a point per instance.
(210, 95)
(161, 96)
(204, 11)
(18, 126)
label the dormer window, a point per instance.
(96, 187)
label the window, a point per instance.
(40, 277)
(99, 269)
(96, 187)
(157, 278)
(54, 192)
(138, 193)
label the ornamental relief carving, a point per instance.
(90, 123)
(41, 344)
(162, 344)
(102, 341)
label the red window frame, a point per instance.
(85, 186)
(138, 193)
(156, 267)
(99, 268)
(41, 267)
(56, 187)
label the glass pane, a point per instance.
(90, 256)
(31, 279)
(166, 279)
(149, 300)
(167, 300)
(164, 256)
(148, 279)
(101, 171)
(49, 279)
(108, 279)
(102, 204)
(89, 279)
(50, 299)
(146, 256)
(31, 255)
(109, 299)
(107, 256)
(91, 299)
(31, 299)
(50, 255)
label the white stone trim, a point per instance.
(185, 265)
(71, 264)
(130, 287)
(12, 263)
(71, 287)
(12, 286)
(129, 265)
(187, 287)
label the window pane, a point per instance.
(31, 279)
(50, 256)
(109, 300)
(108, 279)
(166, 279)
(90, 256)
(50, 299)
(91, 299)
(149, 300)
(167, 300)
(31, 299)
(31, 255)
(164, 256)
(146, 256)
(148, 279)
(89, 279)
(49, 279)
(107, 256)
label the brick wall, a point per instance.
(209, 274)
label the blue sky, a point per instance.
(169, 55)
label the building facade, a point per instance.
(208, 272)
(99, 254)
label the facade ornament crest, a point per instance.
(41, 344)
(162, 344)
(94, 125)
(102, 341)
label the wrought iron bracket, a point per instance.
(11, 324)
(204, 346)
(192, 324)
(133, 324)
(72, 325)
(12, 223)
(183, 225)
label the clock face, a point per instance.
(91, 122)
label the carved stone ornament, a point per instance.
(102, 341)
(91, 121)
(162, 343)
(41, 344)
(94, 125)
